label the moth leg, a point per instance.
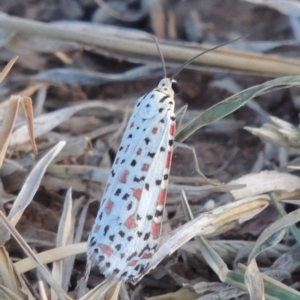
(180, 113)
(197, 169)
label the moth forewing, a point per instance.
(128, 223)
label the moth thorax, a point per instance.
(165, 87)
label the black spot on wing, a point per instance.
(118, 192)
(126, 196)
(129, 206)
(151, 154)
(143, 250)
(163, 99)
(158, 182)
(147, 235)
(130, 257)
(106, 228)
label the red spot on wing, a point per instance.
(108, 206)
(139, 152)
(123, 177)
(154, 130)
(132, 124)
(172, 129)
(96, 229)
(169, 159)
(132, 263)
(162, 197)
(145, 167)
(137, 194)
(126, 148)
(106, 249)
(147, 255)
(130, 223)
(155, 230)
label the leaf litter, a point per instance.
(69, 172)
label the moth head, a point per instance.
(168, 87)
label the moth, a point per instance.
(128, 224)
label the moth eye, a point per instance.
(175, 87)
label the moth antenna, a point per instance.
(202, 53)
(161, 55)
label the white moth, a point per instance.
(128, 224)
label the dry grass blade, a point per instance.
(264, 182)
(41, 268)
(9, 121)
(65, 227)
(274, 233)
(210, 255)
(275, 290)
(49, 256)
(32, 183)
(79, 204)
(280, 133)
(27, 105)
(45, 123)
(254, 282)
(121, 43)
(207, 224)
(7, 68)
(184, 293)
(12, 286)
(106, 289)
(7, 125)
(62, 238)
(226, 216)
